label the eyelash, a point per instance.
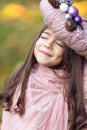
(43, 37)
(59, 45)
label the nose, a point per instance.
(49, 44)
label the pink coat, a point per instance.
(46, 108)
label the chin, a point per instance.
(43, 63)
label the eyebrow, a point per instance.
(47, 33)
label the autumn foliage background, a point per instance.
(20, 21)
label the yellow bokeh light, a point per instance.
(81, 7)
(13, 11)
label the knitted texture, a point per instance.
(54, 18)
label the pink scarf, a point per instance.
(44, 96)
(45, 106)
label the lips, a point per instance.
(45, 53)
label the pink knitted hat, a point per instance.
(54, 18)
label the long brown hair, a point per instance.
(20, 77)
(73, 65)
(77, 113)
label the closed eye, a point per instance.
(43, 37)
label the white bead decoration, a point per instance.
(68, 16)
(64, 7)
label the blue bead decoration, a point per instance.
(68, 2)
(73, 11)
(71, 14)
(78, 19)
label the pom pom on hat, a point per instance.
(73, 35)
(54, 3)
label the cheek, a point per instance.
(37, 46)
(35, 51)
(38, 43)
(59, 52)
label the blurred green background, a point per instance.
(20, 21)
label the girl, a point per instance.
(49, 91)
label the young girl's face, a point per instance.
(49, 50)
